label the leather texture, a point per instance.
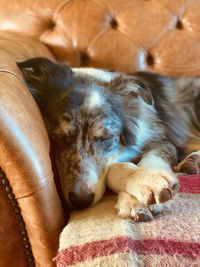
(125, 35)
(10, 239)
(24, 157)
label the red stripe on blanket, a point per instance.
(189, 184)
(91, 250)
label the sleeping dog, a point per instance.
(126, 131)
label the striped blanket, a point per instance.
(97, 237)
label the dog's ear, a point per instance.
(47, 80)
(133, 92)
(45, 77)
(128, 85)
(143, 91)
(127, 137)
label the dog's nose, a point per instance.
(81, 201)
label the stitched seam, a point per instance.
(59, 10)
(11, 72)
(96, 38)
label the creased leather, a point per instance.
(112, 34)
(24, 155)
(10, 238)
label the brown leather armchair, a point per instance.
(125, 35)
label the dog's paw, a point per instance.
(146, 192)
(191, 164)
(129, 208)
(151, 186)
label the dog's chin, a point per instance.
(100, 186)
(99, 191)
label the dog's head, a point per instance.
(87, 121)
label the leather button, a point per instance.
(84, 59)
(179, 25)
(51, 25)
(114, 24)
(150, 59)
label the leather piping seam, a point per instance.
(11, 72)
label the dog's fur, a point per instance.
(98, 118)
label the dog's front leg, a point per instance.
(161, 160)
(120, 179)
(143, 189)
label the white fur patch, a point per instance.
(94, 100)
(151, 160)
(128, 154)
(99, 74)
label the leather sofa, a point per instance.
(124, 35)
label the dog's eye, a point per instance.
(105, 138)
(66, 118)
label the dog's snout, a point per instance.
(81, 201)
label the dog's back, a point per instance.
(177, 102)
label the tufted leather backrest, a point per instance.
(127, 35)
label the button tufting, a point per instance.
(114, 24)
(84, 59)
(150, 59)
(179, 25)
(51, 25)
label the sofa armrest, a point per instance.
(24, 158)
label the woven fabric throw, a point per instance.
(98, 237)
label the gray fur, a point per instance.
(134, 114)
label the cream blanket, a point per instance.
(97, 237)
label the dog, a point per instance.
(126, 131)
